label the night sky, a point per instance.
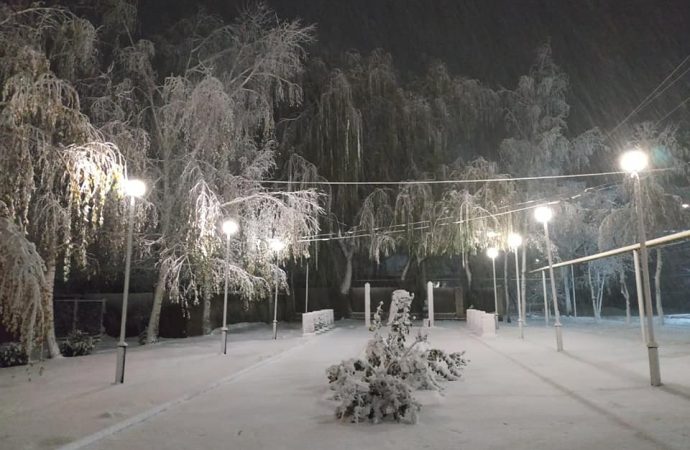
(615, 52)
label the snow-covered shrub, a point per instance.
(78, 343)
(447, 366)
(13, 354)
(379, 386)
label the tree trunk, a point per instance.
(154, 320)
(566, 287)
(406, 269)
(600, 294)
(626, 295)
(523, 284)
(468, 272)
(592, 292)
(506, 291)
(291, 306)
(346, 282)
(50, 339)
(657, 285)
(206, 327)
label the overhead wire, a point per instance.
(416, 182)
(653, 95)
(542, 201)
(445, 221)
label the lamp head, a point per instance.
(514, 240)
(543, 214)
(230, 227)
(134, 187)
(492, 252)
(634, 161)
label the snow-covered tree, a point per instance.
(23, 303)
(212, 143)
(56, 169)
(662, 208)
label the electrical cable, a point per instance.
(651, 97)
(445, 221)
(414, 182)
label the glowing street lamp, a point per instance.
(544, 214)
(229, 228)
(133, 189)
(514, 242)
(276, 245)
(633, 162)
(492, 252)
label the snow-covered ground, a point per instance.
(273, 395)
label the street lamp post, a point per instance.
(492, 253)
(514, 242)
(633, 162)
(133, 189)
(543, 214)
(276, 245)
(229, 227)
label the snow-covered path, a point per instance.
(515, 395)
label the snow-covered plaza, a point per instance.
(266, 394)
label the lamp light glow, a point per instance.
(230, 227)
(634, 161)
(543, 214)
(276, 244)
(492, 252)
(134, 187)
(514, 240)
(685, 205)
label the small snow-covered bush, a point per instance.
(379, 386)
(78, 343)
(12, 354)
(447, 366)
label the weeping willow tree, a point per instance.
(360, 122)
(477, 212)
(536, 114)
(57, 170)
(212, 142)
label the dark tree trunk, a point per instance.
(50, 339)
(154, 320)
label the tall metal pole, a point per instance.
(572, 280)
(652, 346)
(306, 290)
(640, 297)
(275, 304)
(122, 345)
(557, 315)
(546, 297)
(224, 330)
(493, 266)
(519, 297)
